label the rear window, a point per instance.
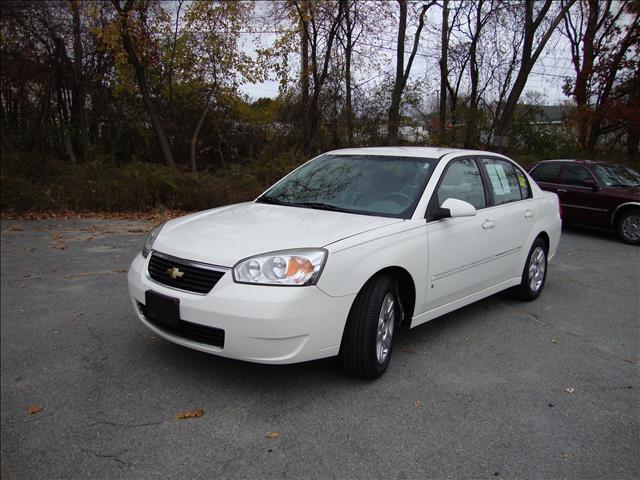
(546, 172)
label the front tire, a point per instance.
(534, 273)
(629, 226)
(367, 342)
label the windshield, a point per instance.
(617, 176)
(365, 184)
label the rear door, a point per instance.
(511, 196)
(547, 175)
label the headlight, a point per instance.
(148, 243)
(288, 267)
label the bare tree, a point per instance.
(402, 72)
(125, 13)
(537, 26)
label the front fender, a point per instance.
(352, 262)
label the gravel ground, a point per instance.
(499, 389)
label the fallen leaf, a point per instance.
(77, 314)
(120, 270)
(152, 338)
(417, 403)
(272, 434)
(35, 409)
(466, 339)
(570, 390)
(198, 412)
(23, 285)
(16, 228)
(408, 350)
(26, 275)
(56, 236)
(67, 277)
(89, 238)
(555, 340)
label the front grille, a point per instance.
(190, 331)
(194, 277)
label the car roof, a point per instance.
(423, 152)
(576, 160)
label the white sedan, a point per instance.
(338, 254)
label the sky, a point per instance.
(546, 79)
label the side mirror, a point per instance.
(454, 208)
(591, 183)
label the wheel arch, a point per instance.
(406, 288)
(620, 209)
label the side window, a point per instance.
(503, 180)
(546, 172)
(575, 175)
(462, 181)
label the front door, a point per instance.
(460, 249)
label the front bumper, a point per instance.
(264, 324)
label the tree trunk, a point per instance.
(304, 70)
(79, 90)
(527, 61)
(444, 69)
(163, 140)
(402, 72)
(398, 87)
(194, 138)
(347, 75)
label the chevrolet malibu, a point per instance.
(336, 256)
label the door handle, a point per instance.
(528, 213)
(561, 190)
(488, 223)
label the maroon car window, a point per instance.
(546, 172)
(503, 180)
(575, 175)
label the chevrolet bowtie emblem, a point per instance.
(174, 273)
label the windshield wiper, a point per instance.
(316, 205)
(323, 206)
(274, 201)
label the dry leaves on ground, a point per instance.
(272, 434)
(34, 409)
(555, 340)
(570, 390)
(198, 412)
(417, 403)
(154, 216)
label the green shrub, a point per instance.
(103, 185)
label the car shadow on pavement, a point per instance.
(592, 232)
(203, 367)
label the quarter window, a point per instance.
(546, 172)
(575, 175)
(462, 181)
(503, 181)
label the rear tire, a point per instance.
(367, 342)
(534, 273)
(629, 226)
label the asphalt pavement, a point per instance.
(499, 389)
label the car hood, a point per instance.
(223, 236)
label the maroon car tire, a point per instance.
(629, 226)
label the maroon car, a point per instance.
(594, 193)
